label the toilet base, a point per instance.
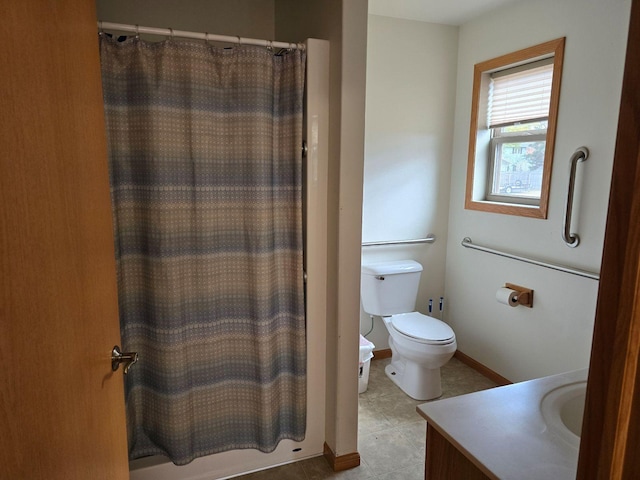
(418, 382)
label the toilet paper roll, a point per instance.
(506, 296)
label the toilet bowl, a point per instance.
(420, 344)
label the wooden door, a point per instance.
(611, 426)
(61, 407)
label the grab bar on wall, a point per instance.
(430, 238)
(572, 239)
(466, 242)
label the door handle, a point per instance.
(118, 357)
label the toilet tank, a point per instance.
(387, 288)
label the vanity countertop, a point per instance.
(502, 430)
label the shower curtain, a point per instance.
(205, 168)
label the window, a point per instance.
(514, 109)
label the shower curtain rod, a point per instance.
(169, 32)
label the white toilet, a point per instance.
(420, 344)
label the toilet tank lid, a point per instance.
(390, 268)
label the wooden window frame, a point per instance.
(479, 158)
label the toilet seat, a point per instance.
(422, 328)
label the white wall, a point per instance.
(554, 336)
(411, 75)
(247, 18)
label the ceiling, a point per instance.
(448, 12)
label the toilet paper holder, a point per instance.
(525, 295)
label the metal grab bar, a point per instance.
(430, 238)
(572, 239)
(466, 242)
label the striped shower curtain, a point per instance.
(204, 152)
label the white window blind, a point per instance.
(520, 94)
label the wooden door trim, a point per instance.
(613, 403)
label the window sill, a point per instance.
(531, 211)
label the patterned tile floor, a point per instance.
(391, 435)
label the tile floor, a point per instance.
(391, 434)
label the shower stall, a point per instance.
(214, 461)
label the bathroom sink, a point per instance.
(562, 409)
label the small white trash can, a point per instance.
(366, 354)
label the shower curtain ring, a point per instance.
(206, 38)
(137, 31)
(100, 29)
(270, 45)
(171, 33)
(239, 41)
